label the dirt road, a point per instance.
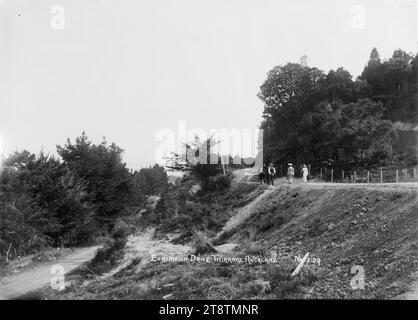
(246, 175)
(30, 280)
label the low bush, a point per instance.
(112, 251)
(217, 183)
(120, 229)
(107, 256)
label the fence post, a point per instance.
(320, 174)
(309, 171)
(414, 173)
(332, 175)
(397, 175)
(381, 176)
(355, 176)
(343, 175)
(368, 177)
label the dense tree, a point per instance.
(151, 181)
(41, 204)
(313, 116)
(69, 201)
(197, 159)
(394, 84)
(108, 179)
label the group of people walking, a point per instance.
(268, 173)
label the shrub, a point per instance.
(206, 211)
(316, 227)
(108, 256)
(256, 288)
(120, 229)
(222, 182)
(257, 249)
(217, 183)
(283, 285)
(222, 291)
(199, 244)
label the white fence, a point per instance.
(383, 175)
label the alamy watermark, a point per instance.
(58, 17)
(58, 279)
(357, 282)
(239, 146)
(357, 20)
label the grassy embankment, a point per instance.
(341, 228)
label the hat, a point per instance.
(289, 164)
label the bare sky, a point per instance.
(126, 69)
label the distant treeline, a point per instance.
(314, 117)
(70, 200)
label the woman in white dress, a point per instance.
(290, 172)
(305, 173)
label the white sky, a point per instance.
(126, 69)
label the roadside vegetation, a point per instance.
(340, 228)
(73, 200)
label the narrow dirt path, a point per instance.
(244, 213)
(144, 246)
(40, 276)
(244, 175)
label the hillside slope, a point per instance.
(346, 228)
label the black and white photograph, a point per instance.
(223, 151)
